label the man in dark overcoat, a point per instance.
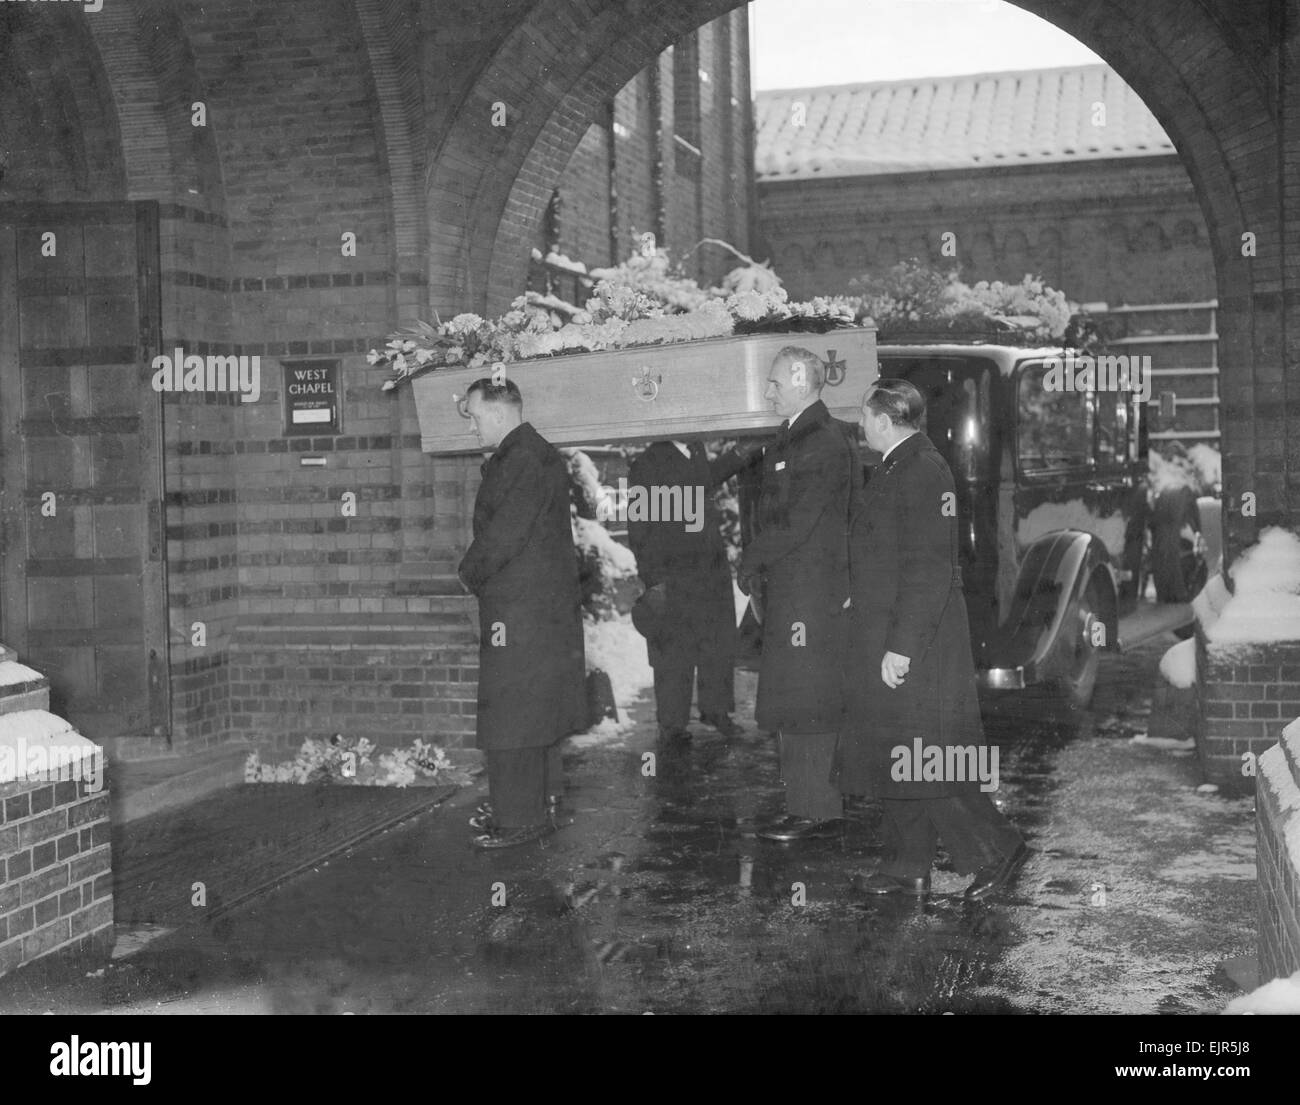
(523, 568)
(681, 557)
(914, 738)
(799, 559)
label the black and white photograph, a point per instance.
(651, 507)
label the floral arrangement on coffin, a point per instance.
(641, 302)
(352, 762)
(912, 296)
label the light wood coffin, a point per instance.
(711, 388)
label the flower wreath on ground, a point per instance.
(353, 762)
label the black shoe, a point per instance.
(673, 734)
(892, 884)
(990, 879)
(723, 724)
(510, 838)
(790, 829)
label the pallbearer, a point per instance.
(523, 568)
(799, 560)
(687, 613)
(913, 687)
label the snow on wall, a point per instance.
(1265, 603)
(13, 673)
(33, 740)
(1178, 664)
(1281, 995)
(1209, 603)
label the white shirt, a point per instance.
(683, 448)
(896, 444)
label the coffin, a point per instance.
(711, 388)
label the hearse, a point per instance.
(1055, 519)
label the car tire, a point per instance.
(1080, 657)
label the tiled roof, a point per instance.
(1024, 117)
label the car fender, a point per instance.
(1054, 571)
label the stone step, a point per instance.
(138, 788)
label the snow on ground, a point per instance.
(615, 647)
(1178, 665)
(618, 560)
(1171, 743)
(1282, 995)
(1265, 603)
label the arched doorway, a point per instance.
(1207, 85)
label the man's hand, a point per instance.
(893, 668)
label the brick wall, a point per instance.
(389, 678)
(56, 891)
(707, 198)
(1118, 232)
(1277, 817)
(373, 116)
(1246, 694)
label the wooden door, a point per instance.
(83, 595)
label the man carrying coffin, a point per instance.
(799, 560)
(687, 613)
(911, 698)
(523, 568)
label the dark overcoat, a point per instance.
(523, 567)
(810, 478)
(699, 621)
(907, 598)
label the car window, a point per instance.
(1055, 426)
(1111, 443)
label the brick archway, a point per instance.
(1200, 78)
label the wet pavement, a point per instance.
(658, 899)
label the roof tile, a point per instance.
(923, 124)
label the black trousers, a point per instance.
(675, 681)
(697, 648)
(806, 761)
(971, 827)
(520, 780)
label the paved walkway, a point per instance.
(657, 899)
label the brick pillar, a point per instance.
(1277, 860)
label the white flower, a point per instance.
(374, 357)
(408, 347)
(389, 385)
(423, 356)
(464, 324)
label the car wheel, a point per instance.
(1081, 657)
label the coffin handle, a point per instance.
(834, 369)
(647, 386)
